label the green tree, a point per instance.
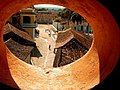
(40, 9)
(75, 17)
(66, 14)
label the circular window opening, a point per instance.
(47, 35)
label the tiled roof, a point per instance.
(65, 36)
(20, 36)
(19, 50)
(70, 52)
(10, 28)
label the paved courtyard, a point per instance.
(45, 44)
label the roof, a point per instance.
(69, 53)
(19, 50)
(65, 36)
(8, 28)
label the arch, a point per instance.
(85, 73)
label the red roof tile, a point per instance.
(65, 36)
(19, 50)
(10, 28)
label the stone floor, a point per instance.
(45, 44)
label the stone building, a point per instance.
(25, 19)
(46, 17)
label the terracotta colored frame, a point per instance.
(80, 75)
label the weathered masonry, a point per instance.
(83, 74)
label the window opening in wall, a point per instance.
(26, 19)
(48, 36)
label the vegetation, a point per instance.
(73, 19)
(40, 9)
(70, 19)
(66, 14)
(70, 16)
(59, 19)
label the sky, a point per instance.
(47, 6)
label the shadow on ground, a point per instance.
(36, 53)
(112, 81)
(6, 87)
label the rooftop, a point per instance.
(66, 36)
(19, 50)
(8, 28)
